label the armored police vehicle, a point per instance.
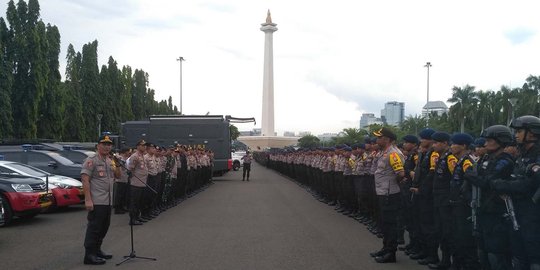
(197, 131)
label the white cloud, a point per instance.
(333, 60)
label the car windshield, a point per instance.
(60, 158)
(33, 171)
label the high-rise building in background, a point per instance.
(393, 113)
(369, 119)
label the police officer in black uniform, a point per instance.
(464, 254)
(423, 199)
(523, 188)
(410, 145)
(493, 231)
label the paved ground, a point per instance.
(267, 223)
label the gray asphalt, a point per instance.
(267, 223)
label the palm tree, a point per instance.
(484, 109)
(352, 135)
(465, 102)
(413, 124)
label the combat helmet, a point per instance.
(500, 133)
(527, 122)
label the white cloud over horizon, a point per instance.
(332, 60)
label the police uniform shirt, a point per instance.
(124, 175)
(151, 164)
(137, 165)
(101, 178)
(247, 158)
(389, 165)
(348, 166)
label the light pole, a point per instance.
(427, 65)
(180, 59)
(512, 102)
(99, 116)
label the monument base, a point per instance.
(257, 143)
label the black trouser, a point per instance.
(247, 168)
(120, 196)
(135, 201)
(428, 229)
(465, 254)
(389, 206)
(443, 223)
(149, 194)
(98, 225)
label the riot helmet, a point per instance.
(527, 122)
(500, 133)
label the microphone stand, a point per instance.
(132, 254)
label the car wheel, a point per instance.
(236, 165)
(5, 211)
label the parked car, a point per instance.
(66, 191)
(1, 212)
(237, 159)
(22, 196)
(49, 161)
(77, 155)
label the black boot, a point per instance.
(90, 257)
(418, 256)
(443, 264)
(378, 253)
(103, 255)
(389, 257)
(429, 260)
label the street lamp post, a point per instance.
(99, 116)
(427, 65)
(180, 59)
(512, 102)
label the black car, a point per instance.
(22, 196)
(77, 156)
(49, 161)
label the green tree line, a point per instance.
(471, 112)
(36, 103)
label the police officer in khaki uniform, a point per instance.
(97, 174)
(137, 166)
(388, 173)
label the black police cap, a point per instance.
(440, 136)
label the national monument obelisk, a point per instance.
(268, 136)
(267, 120)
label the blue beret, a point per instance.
(462, 139)
(410, 139)
(480, 142)
(331, 149)
(347, 149)
(426, 133)
(440, 136)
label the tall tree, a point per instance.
(484, 109)
(90, 89)
(126, 97)
(52, 104)
(74, 124)
(464, 101)
(30, 68)
(6, 80)
(138, 103)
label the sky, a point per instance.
(333, 60)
